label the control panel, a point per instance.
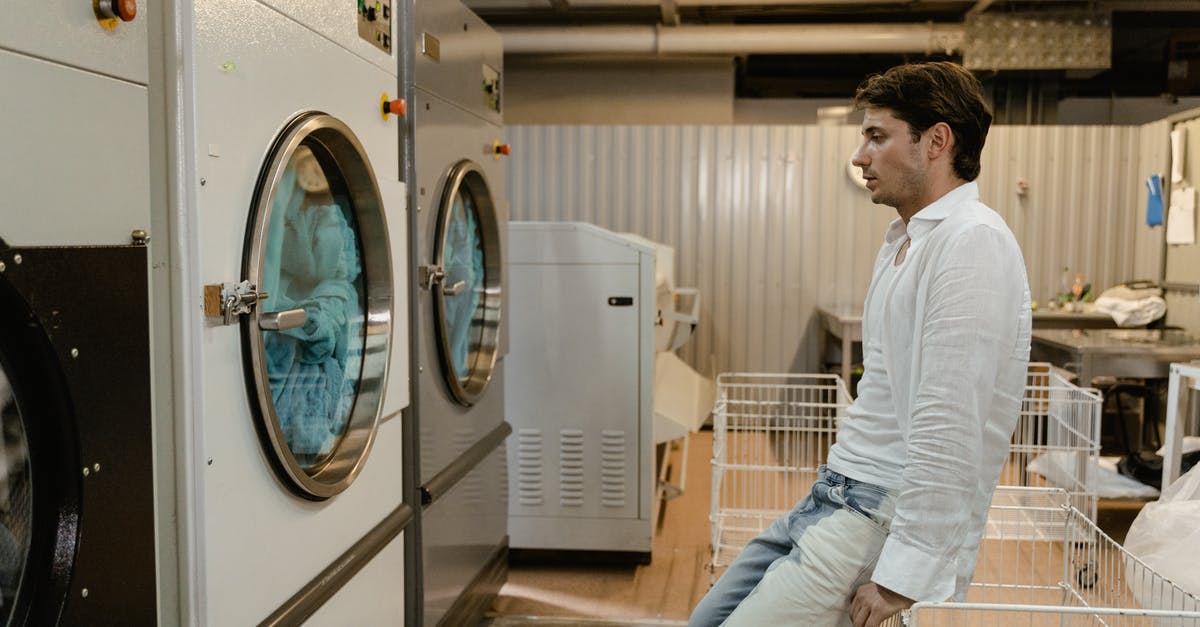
(375, 23)
(491, 87)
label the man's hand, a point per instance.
(874, 604)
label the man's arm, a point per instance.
(971, 307)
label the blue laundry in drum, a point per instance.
(464, 262)
(311, 262)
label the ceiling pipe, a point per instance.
(735, 39)
(534, 5)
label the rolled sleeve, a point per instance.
(914, 573)
(966, 316)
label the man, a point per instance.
(896, 515)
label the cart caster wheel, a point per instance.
(1088, 576)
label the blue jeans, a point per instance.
(805, 568)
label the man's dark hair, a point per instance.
(923, 94)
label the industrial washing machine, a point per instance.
(292, 332)
(460, 324)
(77, 530)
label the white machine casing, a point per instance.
(249, 543)
(73, 175)
(579, 390)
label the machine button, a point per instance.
(396, 107)
(371, 14)
(501, 149)
(126, 10)
(112, 10)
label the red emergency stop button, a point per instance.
(502, 149)
(126, 9)
(389, 107)
(112, 12)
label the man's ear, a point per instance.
(941, 140)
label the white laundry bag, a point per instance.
(1166, 536)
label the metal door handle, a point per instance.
(453, 290)
(282, 320)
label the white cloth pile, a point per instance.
(1165, 536)
(1132, 306)
(1060, 468)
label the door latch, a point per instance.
(227, 300)
(231, 299)
(430, 274)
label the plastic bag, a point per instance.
(1166, 537)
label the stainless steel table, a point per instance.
(1059, 319)
(1140, 353)
(844, 323)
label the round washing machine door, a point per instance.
(316, 349)
(39, 485)
(467, 299)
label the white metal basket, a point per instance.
(772, 431)
(1044, 562)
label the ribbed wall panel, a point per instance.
(766, 222)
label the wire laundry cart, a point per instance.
(1043, 562)
(772, 431)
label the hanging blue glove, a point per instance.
(1154, 202)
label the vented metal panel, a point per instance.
(612, 468)
(766, 222)
(570, 467)
(531, 467)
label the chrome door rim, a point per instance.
(345, 163)
(467, 174)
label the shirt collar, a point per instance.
(924, 220)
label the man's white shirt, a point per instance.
(946, 347)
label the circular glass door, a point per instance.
(317, 342)
(468, 293)
(16, 504)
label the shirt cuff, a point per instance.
(911, 572)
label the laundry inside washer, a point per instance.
(312, 264)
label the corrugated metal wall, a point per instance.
(766, 222)
(1182, 270)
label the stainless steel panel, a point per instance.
(767, 224)
(468, 53)
(462, 531)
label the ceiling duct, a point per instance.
(1038, 41)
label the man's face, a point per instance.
(891, 162)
